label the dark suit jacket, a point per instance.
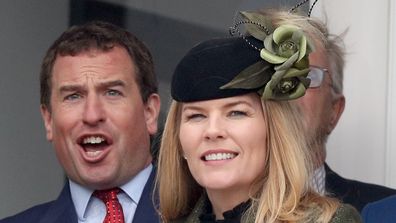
(353, 192)
(62, 209)
(383, 211)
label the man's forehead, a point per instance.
(93, 65)
(83, 80)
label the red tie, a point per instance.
(114, 213)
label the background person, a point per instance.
(322, 106)
(382, 211)
(100, 105)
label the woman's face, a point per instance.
(224, 141)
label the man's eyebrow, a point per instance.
(72, 87)
(114, 83)
(77, 87)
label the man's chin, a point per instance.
(99, 182)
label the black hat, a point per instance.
(210, 65)
(273, 62)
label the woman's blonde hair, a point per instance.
(178, 191)
(282, 193)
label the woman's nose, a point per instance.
(216, 129)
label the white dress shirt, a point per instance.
(318, 180)
(90, 209)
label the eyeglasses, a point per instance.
(316, 75)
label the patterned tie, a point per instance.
(114, 213)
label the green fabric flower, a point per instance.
(286, 49)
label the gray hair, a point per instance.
(335, 50)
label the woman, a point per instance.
(232, 148)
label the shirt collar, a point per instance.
(81, 196)
(134, 188)
(318, 180)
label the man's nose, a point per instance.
(94, 112)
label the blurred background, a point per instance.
(362, 147)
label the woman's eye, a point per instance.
(72, 97)
(237, 113)
(195, 117)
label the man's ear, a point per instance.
(337, 108)
(151, 113)
(47, 118)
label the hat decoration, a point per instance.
(285, 48)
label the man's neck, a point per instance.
(319, 156)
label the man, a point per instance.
(322, 107)
(100, 106)
(383, 211)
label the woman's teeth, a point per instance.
(219, 156)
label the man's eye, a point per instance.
(72, 97)
(113, 92)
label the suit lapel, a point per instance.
(145, 211)
(62, 210)
(336, 185)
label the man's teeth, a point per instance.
(93, 153)
(89, 144)
(93, 140)
(219, 156)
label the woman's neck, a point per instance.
(224, 200)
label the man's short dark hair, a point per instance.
(103, 36)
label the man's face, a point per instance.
(320, 108)
(98, 122)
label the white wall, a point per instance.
(390, 177)
(358, 147)
(29, 172)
